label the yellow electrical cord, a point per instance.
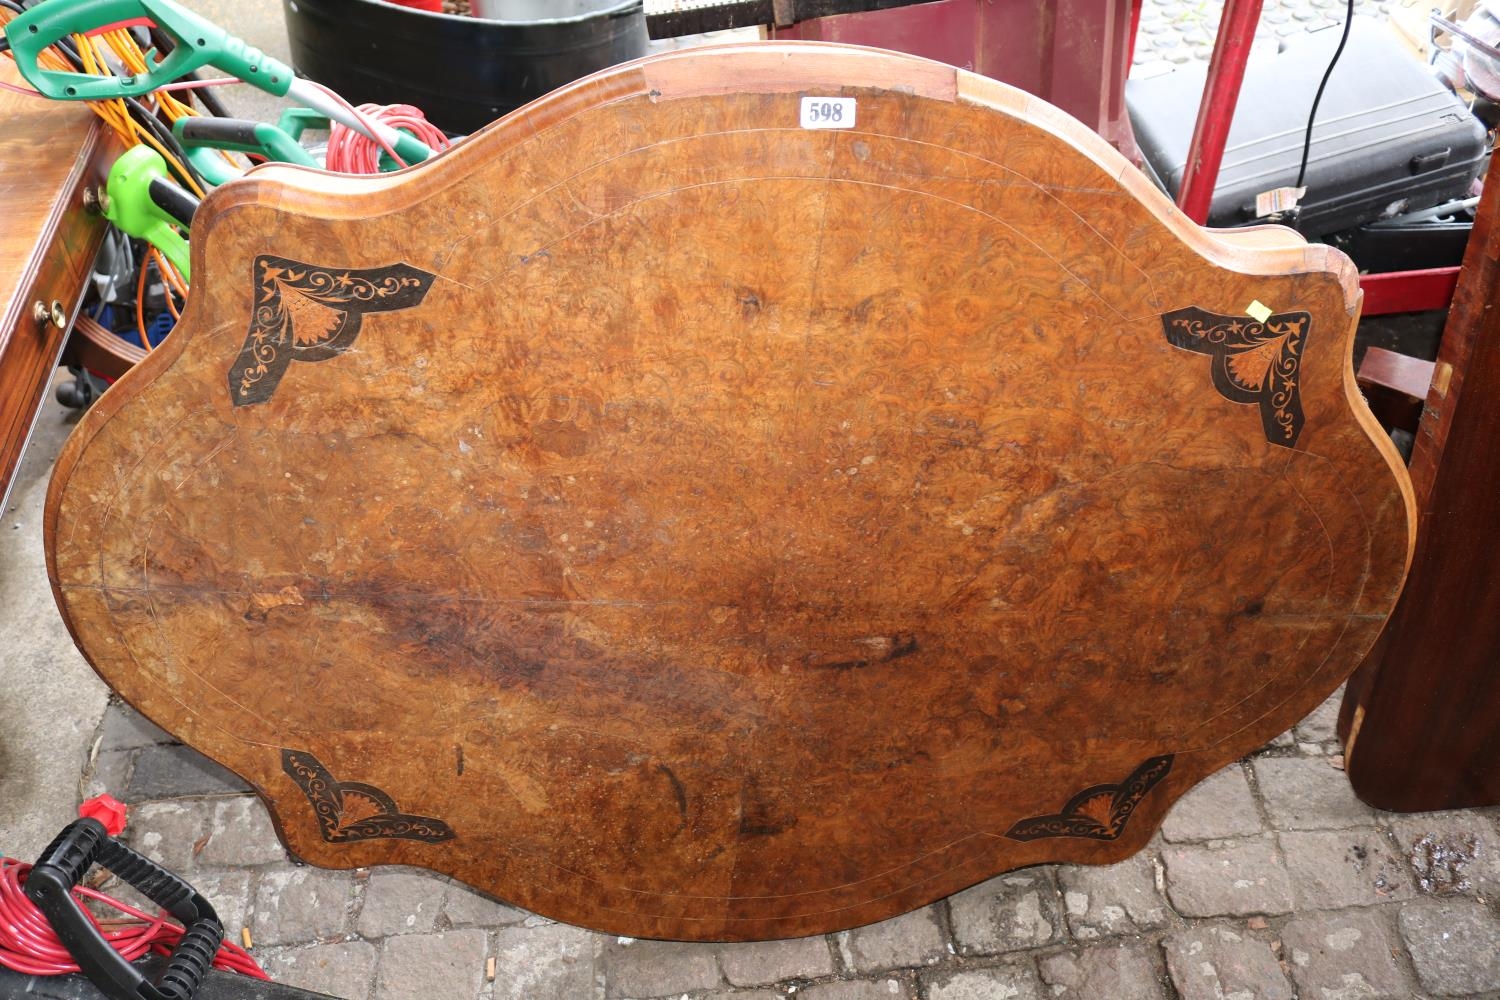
(117, 116)
(113, 112)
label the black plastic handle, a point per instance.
(85, 843)
(173, 200)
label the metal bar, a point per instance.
(1408, 291)
(1221, 93)
(1136, 7)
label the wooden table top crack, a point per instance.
(751, 492)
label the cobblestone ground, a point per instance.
(1269, 880)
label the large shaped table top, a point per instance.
(751, 492)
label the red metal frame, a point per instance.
(1072, 53)
(1221, 94)
(1408, 291)
(1135, 31)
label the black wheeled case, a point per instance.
(1389, 137)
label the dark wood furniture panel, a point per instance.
(49, 153)
(1421, 718)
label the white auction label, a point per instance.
(827, 112)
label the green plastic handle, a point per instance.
(129, 205)
(241, 136)
(198, 43)
(212, 167)
(295, 121)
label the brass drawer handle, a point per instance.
(54, 314)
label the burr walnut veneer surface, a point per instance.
(687, 523)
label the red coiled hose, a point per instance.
(349, 152)
(28, 944)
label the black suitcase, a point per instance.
(1389, 137)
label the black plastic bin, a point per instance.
(464, 72)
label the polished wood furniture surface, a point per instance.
(48, 153)
(687, 523)
(1421, 717)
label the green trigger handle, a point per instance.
(241, 136)
(198, 43)
(142, 201)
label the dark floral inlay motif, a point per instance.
(350, 811)
(1098, 812)
(1253, 362)
(308, 313)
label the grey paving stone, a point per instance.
(1218, 808)
(1229, 880)
(1321, 726)
(301, 905)
(1008, 982)
(1343, 955)
(1150, 67)
(464, 907)
(399, 902)
(859, 989)
(749, 995)
(124, 728)
(555, 962)
(761, 963)
(240, 833)
(1331, 869)
(229, 894)
(110, 774)
(1449, 852)
(1217, 962)
(421, 966)
(911, 940)
(166, 832)
(168, 772)
(1112, 899)
(1454, 944)
(639, 969)
(1008, 913)
(342, 970)
(1308, 794)
(1114, 970)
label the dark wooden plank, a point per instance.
(1422, 717)
(1394, 385)
(689, 524)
